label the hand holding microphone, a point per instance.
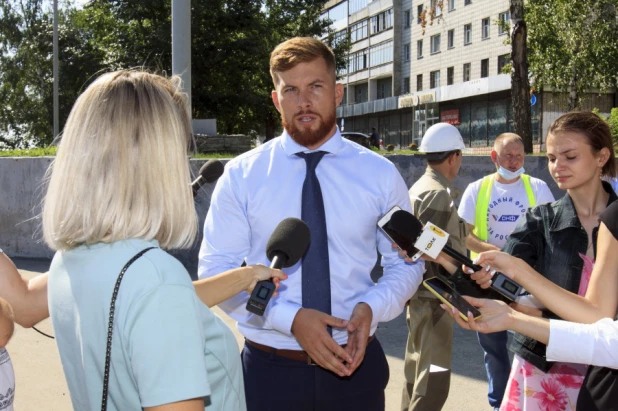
(431, 240)
(286, 246)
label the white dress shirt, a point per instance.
(263, 186)
(594, 344)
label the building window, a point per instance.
(435, 6)
(356, 5)
(503, 61)
(359, 31)
(361, 93)
(339, 37)
(419, 12)
(337, 14)
(466, 2)
(406, 52)
(451, 5)
(406, 85)
(419, 49)
(485, 28)
(466, 72)
(451, 38)
(358, 61)
(385, 87)
(484, 68)
(407, 18)
(450, 76)
(467, 34)
(505, 21)
(434, 79)
(382, 21)
(381, 53)
(419, 82)
(435, 44)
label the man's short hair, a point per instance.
(292, 52)
(502, 138)
(438, 158)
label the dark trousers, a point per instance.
(277, 384)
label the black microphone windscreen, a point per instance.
(211, 170)
(291, 238)
(406, 224)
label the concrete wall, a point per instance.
(21, 194)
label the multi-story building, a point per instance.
(407, 70)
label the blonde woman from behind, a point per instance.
(119, 185)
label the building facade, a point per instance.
(413, 63)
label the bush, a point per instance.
(612, 120)
(390, 147)
(412, 146)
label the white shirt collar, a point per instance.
(333, 145)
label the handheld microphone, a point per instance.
(431, 240)
(209, 172)
(287, 244)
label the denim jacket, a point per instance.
(550, 239)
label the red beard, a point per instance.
(309, 137)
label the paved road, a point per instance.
(41, 385)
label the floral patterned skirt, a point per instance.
(530, 389)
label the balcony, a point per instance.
(368, 107)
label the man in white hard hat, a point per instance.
(428, 352)
(491, 208)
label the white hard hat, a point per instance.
(441, 137)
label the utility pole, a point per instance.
(181, 44)
(55, 70)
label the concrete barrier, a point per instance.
(22, 191)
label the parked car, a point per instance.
(358, 138)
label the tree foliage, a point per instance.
(231, 44)
(573, 45)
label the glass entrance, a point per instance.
(424, 116)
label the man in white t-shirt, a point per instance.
(492, 207)
(7, 376)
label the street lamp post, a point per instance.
(181, 44)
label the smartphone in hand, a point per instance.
(450, 297)
(394, 236)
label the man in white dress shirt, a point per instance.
(290, 347)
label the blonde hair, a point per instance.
(121, 169)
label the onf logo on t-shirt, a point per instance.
(506, 218)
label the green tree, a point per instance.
(612, 121)
(573, 45)
(231, 44)
(26, 115)
(520, 85)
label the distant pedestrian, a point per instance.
(375, 139)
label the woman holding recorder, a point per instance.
(590, 338)
(104, 212)
(559, 241)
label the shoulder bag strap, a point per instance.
(108, 352)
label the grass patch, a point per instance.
(31, 152)
(51, 151)
(215, 155)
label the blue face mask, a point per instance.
(510, 175)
